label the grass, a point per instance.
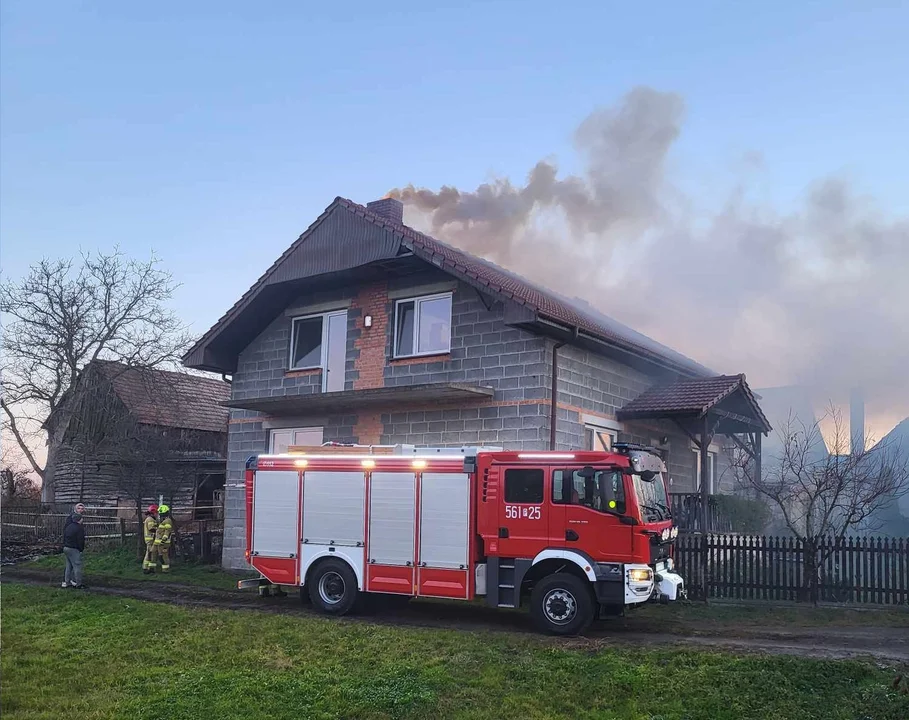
(691, 618)
(122, 563)
(716, 617)
(69, 654)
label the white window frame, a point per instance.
(293, 431)
(416, 325)
(600, 430)
(323, 353)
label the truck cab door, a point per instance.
(584, 522)
(523, 518)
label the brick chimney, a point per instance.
(388, 208)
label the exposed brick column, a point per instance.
(369, 428)
(370, 343)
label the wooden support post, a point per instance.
(757, 459)
(122, 532)
(204, 542)
(704, 444)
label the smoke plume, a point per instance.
(818, 296)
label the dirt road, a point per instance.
(886, 644)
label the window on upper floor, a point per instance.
(306, 343)
(422, 326)
(320, 341)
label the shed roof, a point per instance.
(169, 399)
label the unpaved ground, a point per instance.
(829, 641)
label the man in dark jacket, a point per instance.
(73, 547)
(78, 508)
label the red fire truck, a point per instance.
(575, 534)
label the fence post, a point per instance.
(122, 532)
(204, 542)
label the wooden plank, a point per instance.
(881, 580)
(865, 555)
(901, 556)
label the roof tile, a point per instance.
(170, 399)
(689, 396)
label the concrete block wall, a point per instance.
(516, 426)
(262, 368)
(515, 363)
(597, 386)
(483, 351)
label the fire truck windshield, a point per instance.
(651, 495)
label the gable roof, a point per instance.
(169, 399)
(693, 397)
(482, 274)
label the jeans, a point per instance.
(73, 573)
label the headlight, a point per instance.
(640, 575)
(664, 536)
(675, 533)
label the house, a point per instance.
(123, 435)
(365, 330)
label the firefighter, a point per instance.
(150, 527)
(163, 536)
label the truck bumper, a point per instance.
(668, 587)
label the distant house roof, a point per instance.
(169, 399)
(695, 397)
(543, 304)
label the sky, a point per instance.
(214, 133)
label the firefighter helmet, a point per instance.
(153, 508)
(163, 509)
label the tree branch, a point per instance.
(26, 450)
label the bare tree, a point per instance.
(17, 484)
(66, 313)
(823, 488)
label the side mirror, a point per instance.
(648, 476)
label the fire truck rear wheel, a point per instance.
(562, 604)
(333, 587)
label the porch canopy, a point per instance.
(703, 408)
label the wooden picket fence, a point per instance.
(103, 530)
(745, 567)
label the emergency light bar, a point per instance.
(546, 456)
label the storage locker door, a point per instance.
(333, 507)
(444, 534)
(390, 551)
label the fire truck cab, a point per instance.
(571, 534)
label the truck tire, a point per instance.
(562, 604)
(333, 587)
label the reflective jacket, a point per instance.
(164, 531)
(150, 526)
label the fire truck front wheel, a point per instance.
(333, 587)
(562, 604)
